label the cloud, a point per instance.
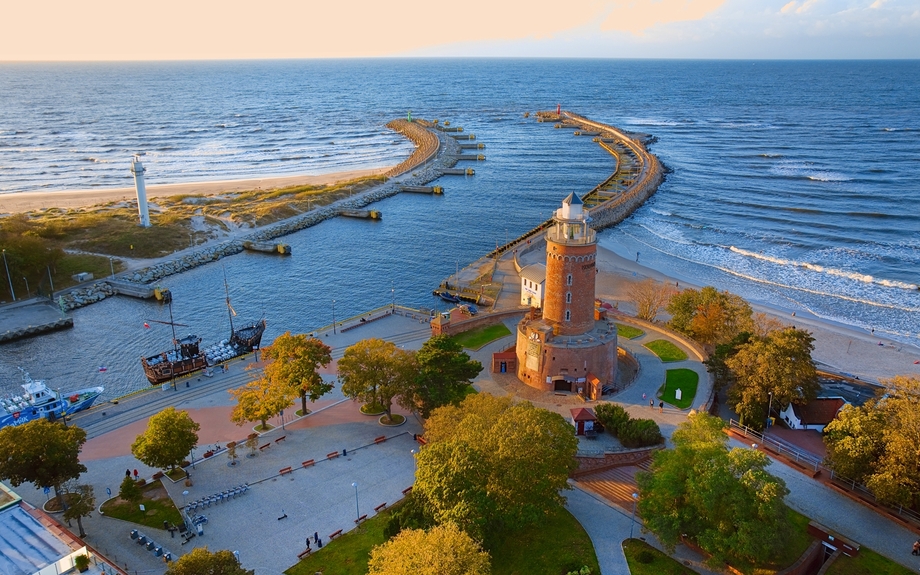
(788, 7)
(637, 16)
(806, 6)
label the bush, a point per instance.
(640, 433)
(612, 416)
(130, 491)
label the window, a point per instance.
(568, 315)
(568, 280)
(568, 297)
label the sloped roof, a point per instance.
(583, 414)
(26, 546)
(534, 272)
(572, 199)
(820, 411)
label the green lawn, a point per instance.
(666, 351)
(655, 562)
(628, 331)
(558, 545)
(686, 381)
(868, 562)
(157, 504)
(476, 338)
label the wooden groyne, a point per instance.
(365, 214)
(422, 189)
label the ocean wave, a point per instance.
(661, 212)
(865, 278)
(771, 156)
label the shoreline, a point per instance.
(19, 202)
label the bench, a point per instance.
(379, 507)
(335, 534)
(280, 438)
(285, 470)
(360, 519)
(380, 439)
(305, 553)
(308, 463)
(266, 446)
(332, 455)
(407, 490)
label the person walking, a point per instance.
(651, 403)
(660, 407)
(916, 550)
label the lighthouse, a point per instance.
(138, 170)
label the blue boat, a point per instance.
(41, 402)
(449, 297)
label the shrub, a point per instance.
(129, 490)
(612, 416)
(640, 433)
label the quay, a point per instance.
(463, 136)
(422, 189)
(459, 172)
(27, 318)
(474, 158)
(479, 146)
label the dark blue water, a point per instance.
(794, 183)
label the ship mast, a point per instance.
(230, 311)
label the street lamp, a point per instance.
(333, 317)
(769, 409)
(357, 511)
(392, 297)
(28, 291)
(112, 267)
(12, 293)
(414, 462)
(632, 522)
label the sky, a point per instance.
(268, 29)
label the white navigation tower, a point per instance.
(138, 170)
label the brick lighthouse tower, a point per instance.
(572, 347)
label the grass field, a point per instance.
(476, 338)
(686, 381)
(558, 545)
(868, 562)
(628, 331)
(653, 561)
(157, 504)
(666, 351)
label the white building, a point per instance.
(533, 284)
(815, 414)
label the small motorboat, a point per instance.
(448, 297)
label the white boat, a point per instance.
(42, 402)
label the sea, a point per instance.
(792, 183)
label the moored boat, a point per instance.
(42, 402)
(184, 358)
(448, 297)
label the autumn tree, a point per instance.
(170, 437)
(779, 365)
(200, 561)
(295, 363)
(444, 372)
(878, 443)
(715, 364)
(493, 464)
(722, 499)
(376, 371)
(82, 501)
(259, 400)
(650, 297)
(442, 550)
(709, 316)
(42, 453)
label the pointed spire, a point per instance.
(572, 199)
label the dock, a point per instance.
(479, 146)
(365, 214)
(124, 287)
(459, 172)
(463, 136)
(422, 189)
(268, 247)
(472, 158)
(31, 317)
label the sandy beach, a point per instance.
(17, 202)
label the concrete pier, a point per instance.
(422, 189)
(476, 158)
(31, 317)
(459, 172)
(366, 214)
(463, 136)
(132, 289)
(479, 146)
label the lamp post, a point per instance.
(769, 409)
(414, 462)
(333, 317)
(10, 279)
(50, 281)
(28, 291)
(112, 267)
(357, 511)
(392, 297)
(632, 522)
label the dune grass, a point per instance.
(666, 351)
(476, 338)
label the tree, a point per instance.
(779, 365)
(376, 371)
(129, 490)
(444, 373)
(200, 561)
(710, 316)
(442, 550)
(650, 297)
(42, 453)
(259, 400)
(715, 364)
(231, 452)
(82, 503)
(878, 443)
(492, 464)
(723, 499)
(170, 437)
(296, 360)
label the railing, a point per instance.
(779, 446)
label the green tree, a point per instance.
(779, 364)
(442, 550)
(42, 453)
(723, 499)
(709, 316)
(444, 373)
(855, 440)
(259, 400)
(376, 371)
(170, 437)
(296, 360)
(200, 561)
(715, 364)
(492, 464)
(82, 503)
(129, 490)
